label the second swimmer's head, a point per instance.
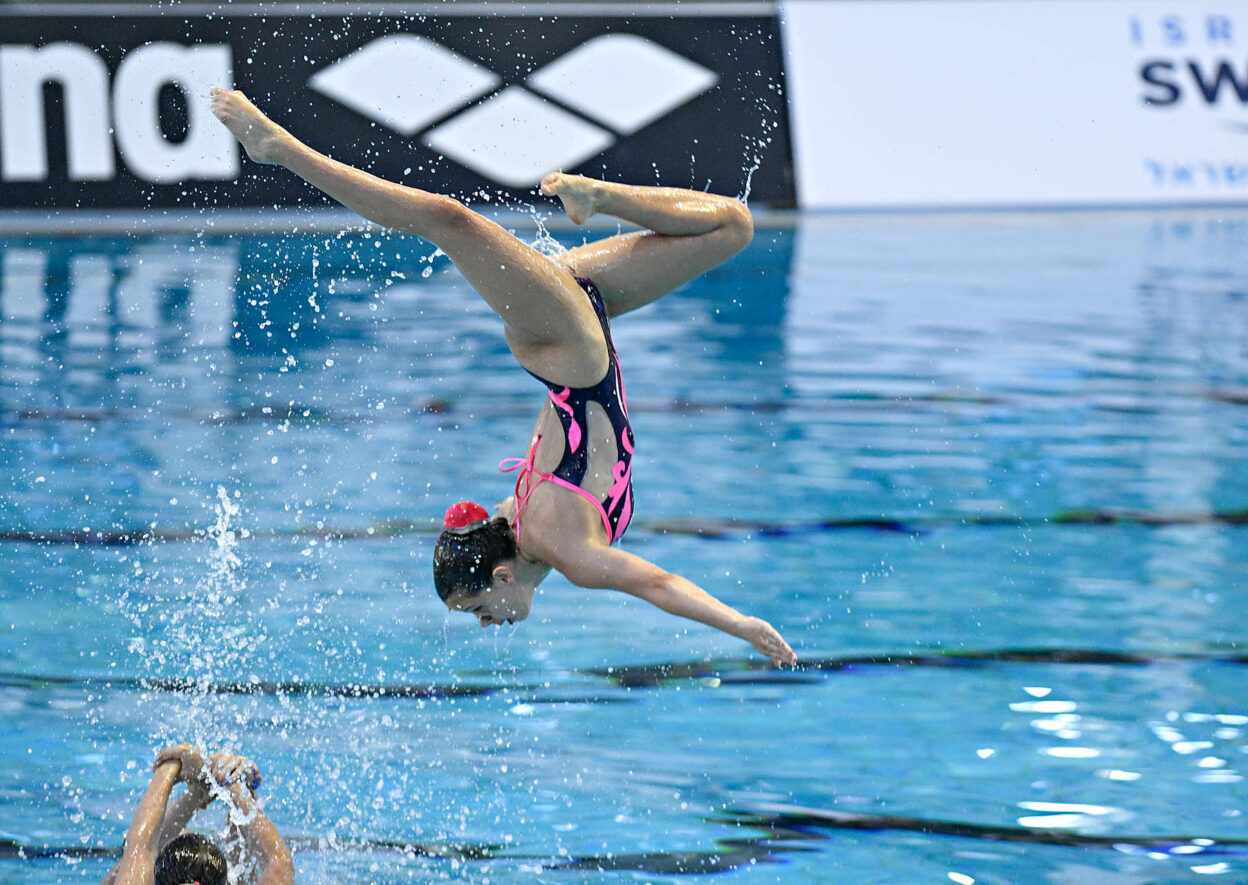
(191, 858)
(471, 566)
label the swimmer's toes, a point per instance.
(259, 136)
(550, 184)
(576, 194)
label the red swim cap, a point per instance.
(463, 517)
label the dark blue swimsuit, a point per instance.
(571, 404)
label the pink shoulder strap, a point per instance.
(525, 485)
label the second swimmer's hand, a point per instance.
(768, 642)
(230, 770)
(188, 756)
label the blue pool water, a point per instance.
(988, 475)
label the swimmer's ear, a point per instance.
(503, 574)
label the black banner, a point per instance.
(105, 112)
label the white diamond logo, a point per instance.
(515, 138)
(404, 81)
(623, 81)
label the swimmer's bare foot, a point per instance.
(259, 136)
(577, 193)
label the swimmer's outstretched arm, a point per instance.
(614, 569)
(533, 295)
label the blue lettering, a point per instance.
(1154, 73)
(1172, 31)
(1218, 29)
(1236, 174)
(1212, 90)
(1209, 174)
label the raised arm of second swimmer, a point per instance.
(263, 840)
(615, 569)
(143, 836)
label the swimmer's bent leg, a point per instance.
(688, 233)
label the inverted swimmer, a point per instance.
(159, 852)
(573, 495)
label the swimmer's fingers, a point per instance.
(228, 769)
(220, 765)
(770, 643)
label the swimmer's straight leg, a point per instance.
(529, 292)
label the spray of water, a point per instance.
(545, 242)
(195, 632)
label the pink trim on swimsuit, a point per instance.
(560, 401)
(527, 469)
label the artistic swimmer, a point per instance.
(573, 495)
(158, 851)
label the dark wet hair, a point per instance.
(467, 561)
(191, 858)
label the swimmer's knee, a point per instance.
(738, 225)
(451, 214)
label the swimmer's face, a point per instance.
(506, 601)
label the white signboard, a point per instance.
(919, 103)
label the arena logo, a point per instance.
(564, 113)
(101, 123)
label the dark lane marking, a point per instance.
(713, 529)
(753, 672)
(712, 674)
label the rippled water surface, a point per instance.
(989, 476)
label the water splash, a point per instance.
(545, 243)
(429, 259)
(224, 561)
(197, 631)
(744, 196)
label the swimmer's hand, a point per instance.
(768, 642)
(603, 566)
(188, 756)
(506, 508)
(228, 770)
